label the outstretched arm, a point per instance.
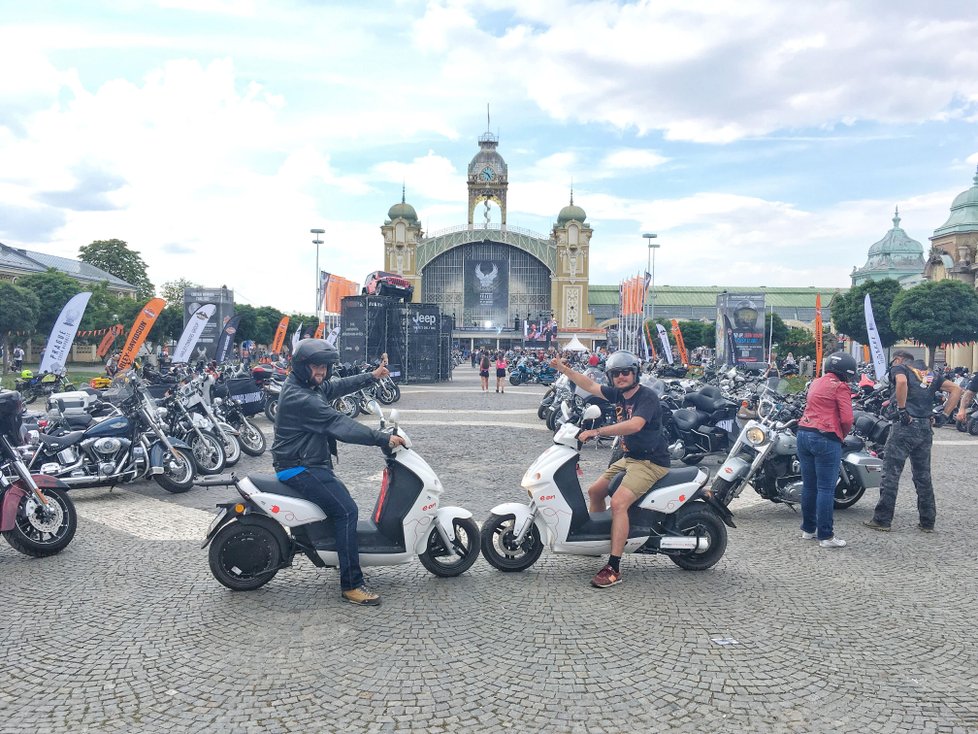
(582, 381)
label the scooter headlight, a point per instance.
(756, 435)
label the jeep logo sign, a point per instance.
(426, 318)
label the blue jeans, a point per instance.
(322, 487)
(820, 458)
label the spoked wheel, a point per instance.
(500, 549)
(348, 406)
(178, 471)
(28, 395)
(208, 452)
(515, 379)
(388, 392)
(251, 437)
(846, 496)
(465, 542)
(43, 530)
(244, 557)
(699, 520)
(231, 445)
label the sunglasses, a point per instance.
(618, 373)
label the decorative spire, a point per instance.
(572, 195)
(976, 175)
(896, 218)
(402, 192)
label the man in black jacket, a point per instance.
(307, 428)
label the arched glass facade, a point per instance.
(443, 282)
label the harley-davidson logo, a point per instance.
(149, 313)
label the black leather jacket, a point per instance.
(307, 427)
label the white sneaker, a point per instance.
(832, 543)
(807, 536)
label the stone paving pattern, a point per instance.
(126, 631)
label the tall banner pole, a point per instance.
(296, 337)
(63, 334)
(648, 337)
(664, 338)
(140, 330)
(680, 343)
(227, 339)
(818, 334)
(875, 344)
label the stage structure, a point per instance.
(223, 300)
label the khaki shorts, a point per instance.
(639, 475)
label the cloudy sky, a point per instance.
(766, 143)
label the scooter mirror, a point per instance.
(565, 410)
(374, 407)
(395, 416)
(591, 412)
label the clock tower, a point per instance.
(488, 179)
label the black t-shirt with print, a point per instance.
(648, 444)
(920, 399)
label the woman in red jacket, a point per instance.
(827, 420)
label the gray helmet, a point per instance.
(313, 352)
(622, 360)
(841, 365)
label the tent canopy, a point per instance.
(574, 345)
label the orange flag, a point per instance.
(107, 340)
(818, 334)
(680, 344)
(279, 339)
(320, 330)
(140, 330)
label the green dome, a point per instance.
(571, 211)
(964, 212)
(402, 210)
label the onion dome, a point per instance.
(964, 212)
(571, 211)
(895, 245)
(403, 210)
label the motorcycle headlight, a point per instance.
(756, 435)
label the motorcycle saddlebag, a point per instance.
(246, 391)
(11, 410)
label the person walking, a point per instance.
(821, 431)
(18, 356)
(500, 373)
(911, 436)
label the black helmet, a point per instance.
(841, 365)
(310, 352)
(622, 360)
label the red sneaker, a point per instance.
(607, 576)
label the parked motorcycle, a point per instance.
(32, 387)
(765, 456)
(676, 517)
(37, 517)
(707, 426)
(119, 449)
(251, 539)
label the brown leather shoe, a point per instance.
(362, 597)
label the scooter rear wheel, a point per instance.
(244, 557)
(440, 561)
(500, 550)
(698, 519)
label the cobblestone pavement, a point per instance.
(126, 631)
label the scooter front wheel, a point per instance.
(465, 542)
(500, 549)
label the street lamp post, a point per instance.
(317, 242)
(650, 268)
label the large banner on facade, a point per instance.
(63, 334)
(740, 328)
(486, 284)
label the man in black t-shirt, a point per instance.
(970, 390)
(911, 437)
(646, 458)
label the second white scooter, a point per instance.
(677, 517)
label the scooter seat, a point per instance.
(270, 483)
(57, 443)
(675, 476)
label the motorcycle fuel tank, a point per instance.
(116, 426)
(787, 445)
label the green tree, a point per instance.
(53, 290)
(800, 342)
(937, 312)
(172, 290)
(849, 314)
(169, 324)
(257, 324)
(779, 334)
(114, 256)
(18, 312)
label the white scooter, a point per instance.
(253, 538)
(677, 516)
